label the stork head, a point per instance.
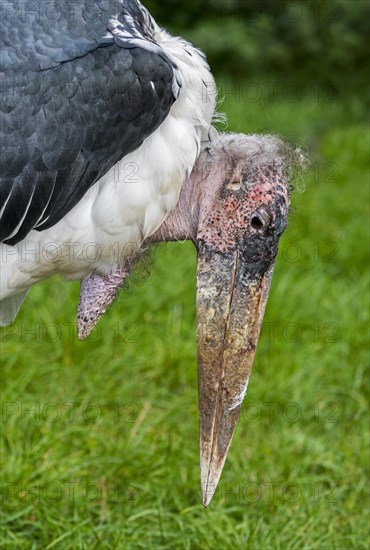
(234, 207)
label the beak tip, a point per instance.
(208, 490)
(210, 476)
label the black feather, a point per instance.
(73, 103)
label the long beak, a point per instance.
(231, 301)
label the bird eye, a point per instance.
(260, 220)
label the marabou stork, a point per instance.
(103, 117)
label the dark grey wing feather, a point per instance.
(73, 103)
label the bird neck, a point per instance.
(182, 223)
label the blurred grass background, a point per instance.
(99, 439)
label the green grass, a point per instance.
(100, 438)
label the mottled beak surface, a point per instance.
(235, 265)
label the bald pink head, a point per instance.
(237, 187)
